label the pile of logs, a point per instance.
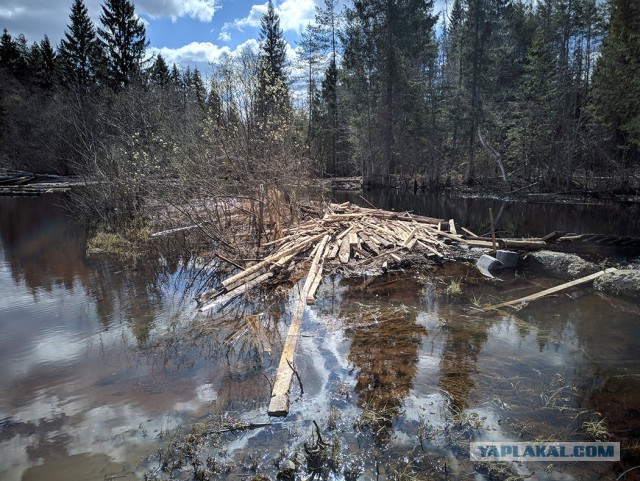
(346, 237)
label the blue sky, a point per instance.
(187, 32)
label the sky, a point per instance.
(186, 32)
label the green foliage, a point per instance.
(79, 50)
(616, 91)
(123, 40)
(273, 100)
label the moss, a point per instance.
(128, 244)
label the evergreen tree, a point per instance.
(159, 72)
(123, 41)
(44, 64)
(274, 89)
(616, 89)
(198, 90)
(9, 53)
(388, 48)
(80, 49)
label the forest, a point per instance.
(489, 93)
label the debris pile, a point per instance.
(348, 238)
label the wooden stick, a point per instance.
(493, 230)
(464, 229)
(279, 403)
(236, 292)
(452, 227)
(345, 251)
(270, 259)
(553, 290)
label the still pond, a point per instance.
(102, 364)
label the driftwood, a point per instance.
(552, 290)
(279, 404)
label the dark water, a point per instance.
(518, 219)
(99, 363)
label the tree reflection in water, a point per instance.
(385, 340)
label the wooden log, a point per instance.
(177, 229)
(553, 236)
(369, 243)
(333, 251)
(452, 227)
(236, 292)
(279, 403)
(240, 282)
(467, 231)
(353, 238)
(345, 232)
(552, 290)
(429, 248)
(311, 299)
(270, 259)
(345, 251)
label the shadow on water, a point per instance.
(100, 364)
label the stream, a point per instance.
(102, 365)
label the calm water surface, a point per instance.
(100, 363)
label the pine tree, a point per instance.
(79, 49)
(123, 40)
(274, 89)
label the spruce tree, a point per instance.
(44, 64)
(9, 54)
(616, 88)
(123, 40)
(80, 49)
(274, 89)
(159, 73)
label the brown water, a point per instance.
(99, 364)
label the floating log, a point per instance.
(553, 290)
(279, 403)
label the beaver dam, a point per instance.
(355, 240)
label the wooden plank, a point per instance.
(553, 236)
(333, 251)
(553, 290)
(279, 403)
(270, 259)
(452, 227)
(467, 231)
(345, 251)
(236, 292)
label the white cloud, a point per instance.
(224, 35)
(200, 53)
(195, 52)
(253, 19)
(202, 10)
(294, 15)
